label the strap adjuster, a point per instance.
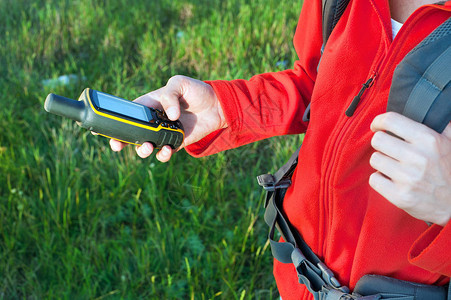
(267, 181)
(330, 279)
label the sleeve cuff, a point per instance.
(431, 250)
(220, 140)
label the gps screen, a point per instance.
(123, 107)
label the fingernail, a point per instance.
(114, 146)
(171, 112)
(146, 150)
(165, 151)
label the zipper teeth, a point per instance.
(383, 60)
(330, 171)
(330, 148)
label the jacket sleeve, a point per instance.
(268, 104)
(431, 251)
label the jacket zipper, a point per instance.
(355, 102)
(370, 82)
(382, 61)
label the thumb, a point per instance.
(171, 95)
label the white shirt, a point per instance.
(395, 27)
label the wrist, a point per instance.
(217, 108)
(220, 98)
(221, 116)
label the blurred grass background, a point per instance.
(78, 221)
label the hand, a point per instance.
(193, 102)
(414, 173)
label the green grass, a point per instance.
(78, 221)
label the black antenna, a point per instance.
(65, 107)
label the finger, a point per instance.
(170, 97)
(387, 166)
(150, 99)
(383, 186)
(164, 154)
(389, 145)
(144, 150)
(116, 145)
(400, 125)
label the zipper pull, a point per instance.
(355, 102)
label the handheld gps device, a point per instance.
(117, 118)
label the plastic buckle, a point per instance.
(283, 184)
(267, 182)
(329, 277)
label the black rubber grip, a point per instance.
(65, 107)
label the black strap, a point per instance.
(282, 178)
(312, 272)
(306, 116)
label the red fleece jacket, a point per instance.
(350, 226)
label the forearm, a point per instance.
(267, 105)
(273, 103)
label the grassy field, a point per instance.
(78, 221)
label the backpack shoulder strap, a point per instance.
(332, 12)
(421, 85)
